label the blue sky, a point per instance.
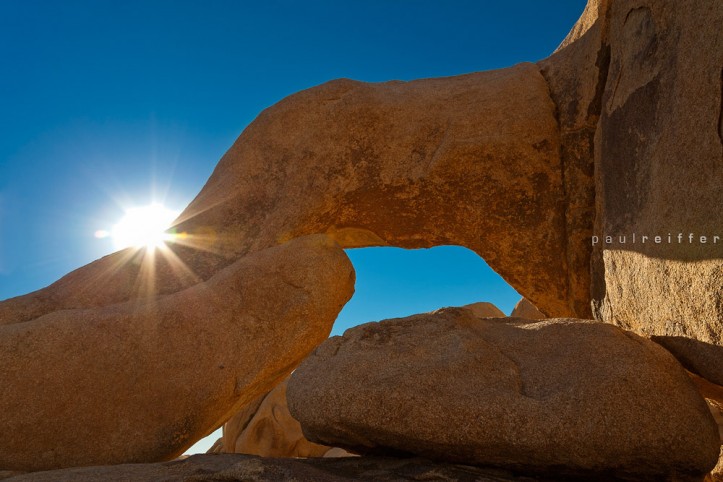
(105, 104)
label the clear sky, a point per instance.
(106, 105)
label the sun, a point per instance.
(142, 227)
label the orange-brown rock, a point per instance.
(265, 427)
(713, 394)
(143, 380)
(525, 309)
(576, 74)
(556, 397)
(483, 309)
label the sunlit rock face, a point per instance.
(265, 427)
(484, 309)
(525, 309)
(144, 380)
(713, 395)
(559, 397)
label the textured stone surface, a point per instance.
(714, 396)
(716, 474)
(142, 381)
(525, 309)
(659, 171)
(554, 396)
(248, 468)
(265, 427)
(576, 74)
(588, 20)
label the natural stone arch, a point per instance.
(472, 160)
(513, 164)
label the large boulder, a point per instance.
(143, 380)
(265, 427)
(554, 397)
(248, 468)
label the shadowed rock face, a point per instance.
(563, 397)
(143, 380)
(247, 468)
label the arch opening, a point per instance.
(395, 282)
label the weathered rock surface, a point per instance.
(713, 394)
(265, 427)
(716, 474)
(143, 380)
(525, 309)
(576, 74)
(554, 396)
(248, 468)
(659, 172)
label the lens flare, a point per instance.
(144, 227)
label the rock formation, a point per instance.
(713, 394)
(555, 397)
(484, 309)
(617, 134)
(144, 380)
(471, 160)
(247, 468)
(525, 309)
(514, 164)
(265, 427)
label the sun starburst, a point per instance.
(145, 226)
